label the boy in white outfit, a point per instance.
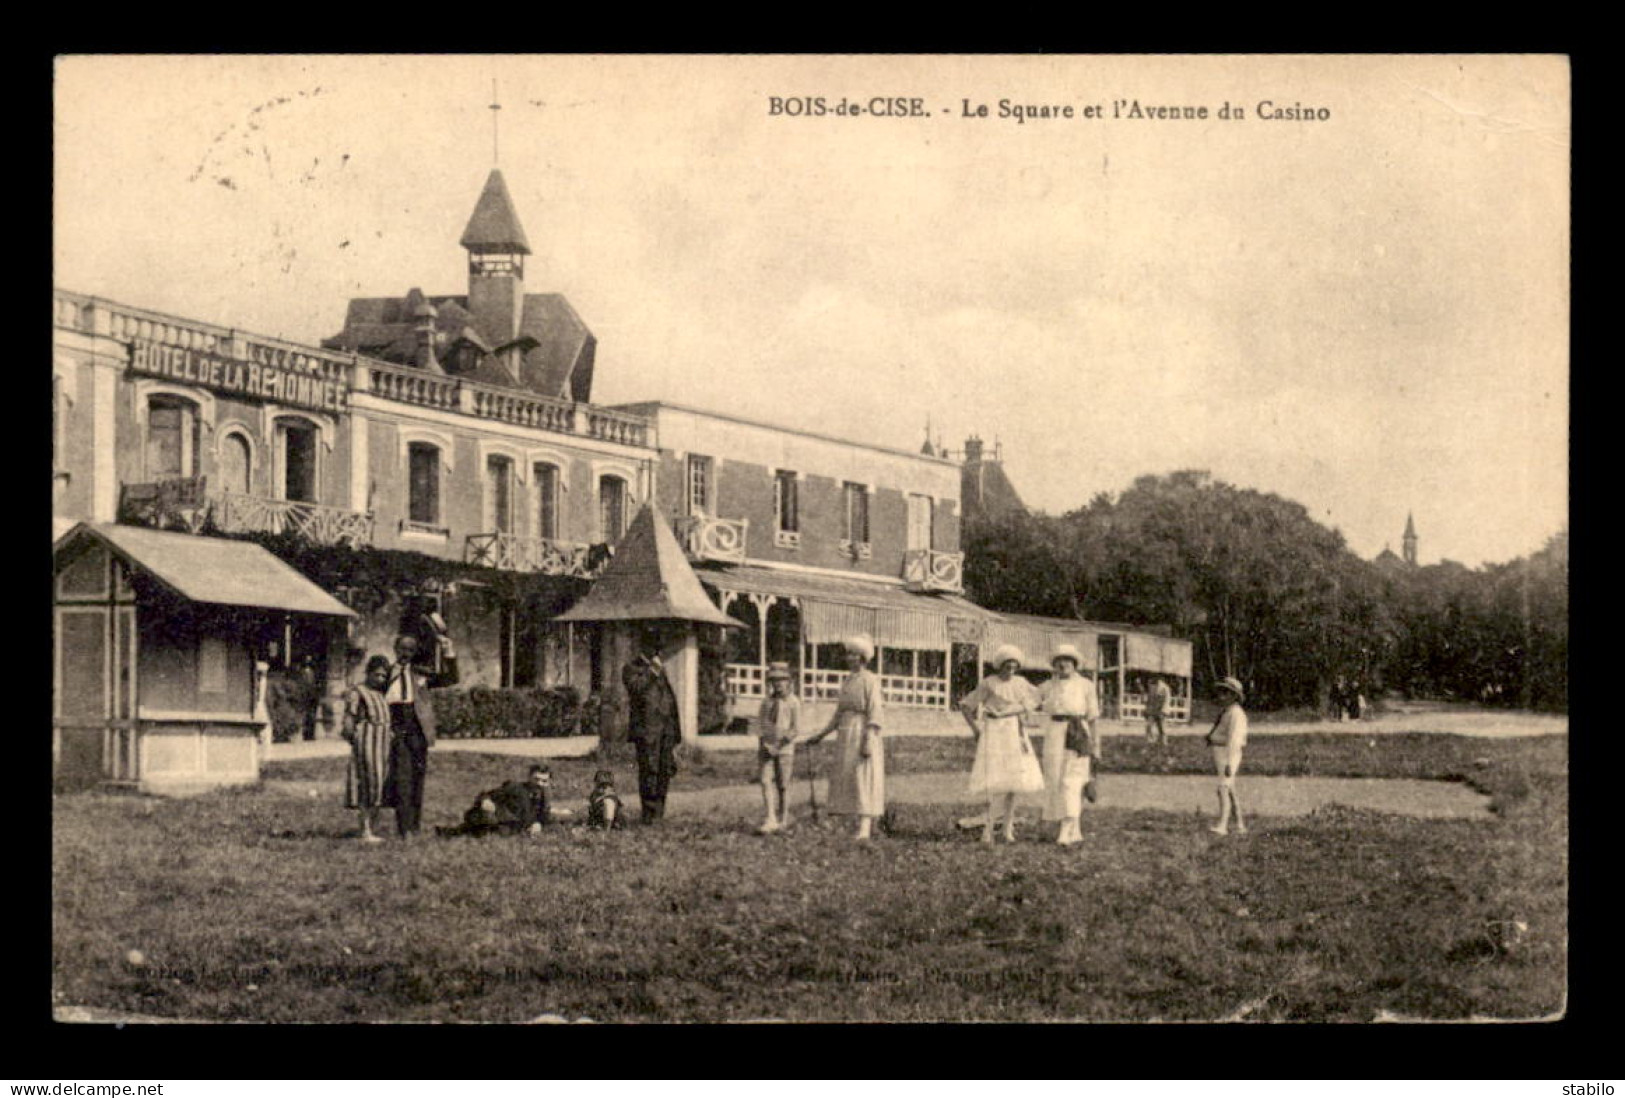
(777, 726)
(1227, 737)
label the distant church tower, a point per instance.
(1409, 542)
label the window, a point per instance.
(785, 502)
(423, 488)
(236, 461)
(172, 425)
(521, 648)
(700, 501)
(296, 445)
(546, 478)
(919, 522)
(611, 508)
(914, 677)
(857, 514)
(499, 494)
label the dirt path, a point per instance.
(1263, 796)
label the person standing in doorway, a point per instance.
(1226, 738)
(654, 724)
(412, 728)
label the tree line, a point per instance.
(1269, 595)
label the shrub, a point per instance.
(483, 712)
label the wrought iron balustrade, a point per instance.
(549, 556)
(930, 570)
(185, 503)
(705, 537)
(315, 523)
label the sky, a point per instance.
(1367, 314)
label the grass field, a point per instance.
(255, 905)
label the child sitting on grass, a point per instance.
(604, 806)
(778, 726)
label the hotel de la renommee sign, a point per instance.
(235, 377)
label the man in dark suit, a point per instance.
(513, 808)
(412, 728)
(654, 725)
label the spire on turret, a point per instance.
(1410, 539)
(494, 227)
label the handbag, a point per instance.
(1077, 736)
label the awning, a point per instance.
(833, 608)
(212, 570)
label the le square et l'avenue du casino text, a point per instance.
(1021, 113)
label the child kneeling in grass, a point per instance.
(604, 806)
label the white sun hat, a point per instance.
(862, 644)
(1004, 653)
(1067, 652)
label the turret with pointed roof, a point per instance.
(1408, 543)
(494, 226)
(497, 333)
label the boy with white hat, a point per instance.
(1227, 737)
(1070, 743)
(777, 726)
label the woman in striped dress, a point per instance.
(366, 726)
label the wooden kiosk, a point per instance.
(158, 683)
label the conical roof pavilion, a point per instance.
(648, 580)
(494, 226)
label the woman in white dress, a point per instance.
(857, 785)
(1006, 764)
(1069, 741)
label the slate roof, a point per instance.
(494, 225)
(557, 361)
(985, 489)
(212, 570)
(648, 580)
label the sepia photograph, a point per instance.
(797, 538)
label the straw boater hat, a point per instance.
(861, 644)
(1004, 653)
(1067, 652)
(778, 671)
(1233, 685)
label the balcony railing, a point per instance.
(353, 372)
(184, 503)
(704, 537)
(513, 553)
(315, 523)
(930, 570)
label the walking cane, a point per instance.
(812, 782)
